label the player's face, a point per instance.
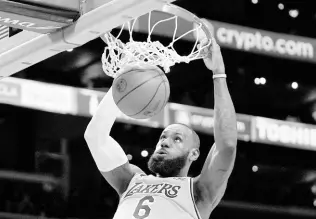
(171, 152)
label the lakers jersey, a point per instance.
(150, 197)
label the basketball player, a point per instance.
(170, 193)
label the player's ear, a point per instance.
(194, 154)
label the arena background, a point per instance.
(46, 170)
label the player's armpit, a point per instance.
(215, 172)
(205, 204)
(120, 177)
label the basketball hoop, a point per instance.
(118, 54)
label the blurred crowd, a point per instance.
(31, 199)
(45, 200)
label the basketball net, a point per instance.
(118, 54)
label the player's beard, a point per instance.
(167, 167)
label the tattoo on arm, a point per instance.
(225, 115)
(225, 126)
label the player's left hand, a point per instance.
(214, 59)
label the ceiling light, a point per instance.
(144, 153)
(257, 81)
(263, 80)
(293, 13)
(294, 85)
(280, 6)
(255, 168)
(313, 188)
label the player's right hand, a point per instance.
(214, 59)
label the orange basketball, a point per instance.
(141, 92)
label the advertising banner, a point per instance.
(286, 134)
(202, 120)
(10, 92)
(48, 97)
(37, 95)
(264, 42)
(84, 102)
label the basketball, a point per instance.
(141, 92)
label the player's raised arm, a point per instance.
(220, 160)
(107, 153)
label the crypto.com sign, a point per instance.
(264, 42)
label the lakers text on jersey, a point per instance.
(150, 197)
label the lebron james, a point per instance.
(169, 193)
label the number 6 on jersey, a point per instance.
(142, 211)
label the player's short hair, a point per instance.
(196, 137)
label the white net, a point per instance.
(118, 54)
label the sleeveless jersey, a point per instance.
(150, 197)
